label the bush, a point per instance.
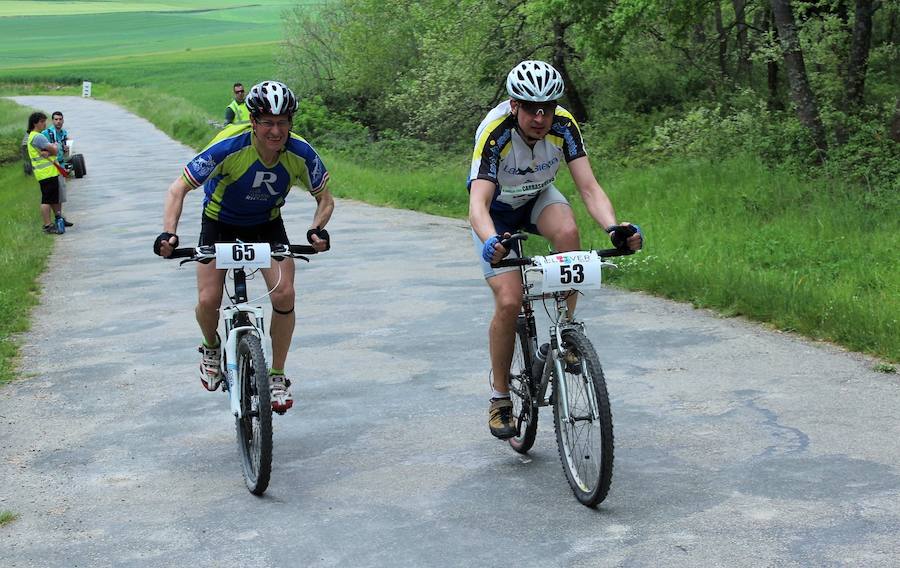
(868, 156)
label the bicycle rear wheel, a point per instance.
(254, 428)
(521, 390)
(585, 440)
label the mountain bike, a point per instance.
(566, 365)
(245, 350)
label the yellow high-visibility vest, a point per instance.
(241, 114)
(43, 167)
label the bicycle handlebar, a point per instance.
(527, 261)
(209, 251)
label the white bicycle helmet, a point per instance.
(534, 81)
(271, 97)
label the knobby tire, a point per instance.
(254, 428)
(585, 443)
(521, 390)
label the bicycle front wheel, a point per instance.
(254, 428)
(585, 438)
(521, 390)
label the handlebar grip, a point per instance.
(302, 249)
(505, 243)
(513, 262)
(186, 252)
(606, 253)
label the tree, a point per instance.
(800, 90)
(859, 55)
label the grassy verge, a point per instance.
(811, 257)
(7, 517)
(25, 249)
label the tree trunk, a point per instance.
(561, 51)
(773, 101)
(859, 56)
(801, 92)
(895, 124)
(743, 59)
(722, 41)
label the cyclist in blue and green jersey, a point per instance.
(247, 172)
(519, 148)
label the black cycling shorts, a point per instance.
(50, 190)
(272, 232)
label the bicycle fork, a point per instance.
(239, 315)
(558, 354)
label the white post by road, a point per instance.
(86, 89)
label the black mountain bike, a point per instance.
(566, 365)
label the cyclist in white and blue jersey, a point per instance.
(247, 172)
(519, 147)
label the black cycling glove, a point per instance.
(322, 234)
(619, 234)
(164, 236)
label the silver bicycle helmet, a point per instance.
(534, 81)
(271, 97)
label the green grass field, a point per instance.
(194, 49)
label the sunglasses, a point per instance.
(241, 92)
(546, 108)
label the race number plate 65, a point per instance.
(576, 270)
(243, 255)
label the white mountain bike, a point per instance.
(566, 365)
(246, 352)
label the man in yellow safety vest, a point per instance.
(236, 112)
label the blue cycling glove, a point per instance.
(487, 252)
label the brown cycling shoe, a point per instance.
(501, 421)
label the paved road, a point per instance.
(735, 445)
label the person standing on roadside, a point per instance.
(42, 154)
(236, 112)
(58, 135)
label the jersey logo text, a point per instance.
(266, 179)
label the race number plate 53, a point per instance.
(576, 270)
(243, 255)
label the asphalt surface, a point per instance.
(735, 445)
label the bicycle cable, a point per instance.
(250, 277)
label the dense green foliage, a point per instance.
(25, 248)
(640, 72)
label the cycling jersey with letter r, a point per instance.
(242, 190)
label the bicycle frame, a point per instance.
(240, 317)
(238, 321)
(556, 354)
(561, 323)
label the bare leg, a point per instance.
(209, 293)
(507, 288)
(283, 297)
(557, 224)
